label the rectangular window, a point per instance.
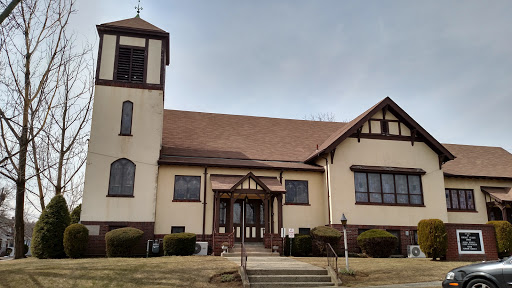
(177, 229)
(304, 231)
(296, 192)
(130, 64)
(388, 189)
(126, 118)
(187, 188)
(459, 200)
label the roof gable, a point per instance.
(356, 124)
(133, 23)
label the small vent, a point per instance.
(130, 65)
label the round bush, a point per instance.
(76, 237)
(75, 214)
(432, 238)
(322, 235)
(122, 241)
(377, 243)
(47, 239)
(181, 244)
(503, 231)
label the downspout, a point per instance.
(204, 202)
(328, 192)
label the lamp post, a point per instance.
(344, 223)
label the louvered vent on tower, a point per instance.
(130, 65)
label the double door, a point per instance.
(254, 220)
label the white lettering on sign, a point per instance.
(291, 233)
(470, 241)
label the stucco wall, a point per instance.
(190, 214)
(385, 153)
(106, 146)
(108, 54)
(479, 217)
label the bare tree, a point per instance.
(5, 197)
(321, 116)
(32, 57)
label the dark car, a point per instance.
(492, 274)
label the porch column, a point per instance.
(504, 212)
(265, 211)
(217, 212)
(279, 212)
(231, 217)
(272, 198)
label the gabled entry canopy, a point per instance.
(247, 183)
(355, 126)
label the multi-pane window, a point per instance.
(122, 176)
(296, 192)
(459, 199)
(177, 229)
(383, 188)
(187, 187)
(126, 118)
(130, 64)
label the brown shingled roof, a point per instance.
(134, 23)
(479, 161)
(199, 134)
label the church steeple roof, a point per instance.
(133, 23)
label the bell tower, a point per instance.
(126, 129)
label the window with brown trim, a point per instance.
(122, 177)
(187, 187)
(459, 199)
(177, 229)
(126, 119)
(296, 192)
(130, 64)
(388, 189)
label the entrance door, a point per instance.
(254, 220)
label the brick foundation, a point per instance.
(489, 239)
(275, 240)
(96, 245)
(352, 233)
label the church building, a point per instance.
(169, 171)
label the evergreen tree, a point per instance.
(47, 239)
(75, 214)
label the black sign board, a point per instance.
(470, 242)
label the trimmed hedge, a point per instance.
(322, 235)
(302, 245)
(76, 237)
(377, 243)
(48, 236)
(75, 214)
(432, 238)
(122, 241)
(503, 231)
(181, 244)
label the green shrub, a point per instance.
(432, 238)
(25, 249)
(121, 242)
(503, 231)
(377, 243)
(75, 214)
(181, 244)
(47, 239)
(301, 245)
(322, 235)
(76, 237)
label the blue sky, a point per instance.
(447, 63)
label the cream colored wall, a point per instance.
(154, 61)
(190, 214)
(108, 55)
(385, 153)
(106, 146)
(479, 217)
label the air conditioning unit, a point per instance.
(414, 251)
(201, 248)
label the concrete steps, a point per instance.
(262, 278)
(252, 249)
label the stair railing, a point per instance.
(243, 255)
(332, 259)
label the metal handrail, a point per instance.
(243, 255)
(332, 259)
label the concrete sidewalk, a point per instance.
(266, 263)
(417, 285)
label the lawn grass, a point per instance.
(386, 271)
(175, 271)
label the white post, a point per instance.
(243, 222)
(346, 246)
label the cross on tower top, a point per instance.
(138, 8)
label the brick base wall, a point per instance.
(96, 245)
(352, 233)
(270, 240)
(489, 239)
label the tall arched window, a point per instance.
(122, 176)
(126, 118)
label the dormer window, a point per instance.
(130, 64)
